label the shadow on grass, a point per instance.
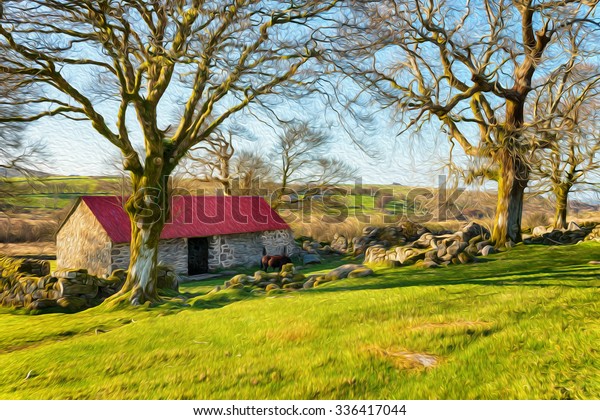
(530, 266)
(569, 278)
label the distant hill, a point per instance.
(16, 173)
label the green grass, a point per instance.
(56, 192)
(523, 324)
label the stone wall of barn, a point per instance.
(171, 252)
(246, 249)
(82, 242)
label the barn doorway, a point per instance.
(197, 256)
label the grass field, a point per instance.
(522, 324)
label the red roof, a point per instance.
(192, 216)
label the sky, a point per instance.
(74, 148)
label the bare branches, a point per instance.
(16, 155)
(436, 59)
(301, 151)
(211, 159)
(567, 132)
(471, 66)
(215, 58)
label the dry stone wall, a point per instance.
(246, 249)
(594, 235)
(435, 250)
(71, 290)
(549, 236)
(28, 284)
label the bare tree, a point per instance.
(218, 56)
(302, 155)
(210, 160)
(470, 68)
(16, 156)
(567, 112)
(251, 171)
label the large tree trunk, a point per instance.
(561, 193)
(142, 273)
(148, 209)
(514, 170)
(514, 176)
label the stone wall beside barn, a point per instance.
(246, 249)
(83, 242)
(225, 251)
(171, 252)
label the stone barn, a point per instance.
(203, 233)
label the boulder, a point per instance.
(487, 250)
(72, 303)
(473, 229)
(430, 264)
(298, 277)
(339, 243)
(289, 267)
(272, 286)
(71, 287)
(237, 279)
(405, 253)
(539, 230)
(309, 283)
(454, 249)
(260, 275)
(42, 304)
(465, 258)
(594, 235)
(327, 249)
(311, 259)
(482, 245)
(361, 272)
(342, 271)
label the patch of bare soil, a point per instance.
(404, 359)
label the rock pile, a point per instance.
(594, 235)
(10, 266)
(73, 290)
(70, 289)
(432, 250)
(378, 236)
(573, 234)
(289, 279)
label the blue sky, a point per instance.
(75, 148)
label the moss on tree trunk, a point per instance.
(562, 201)
(148, 209)
(514, 175)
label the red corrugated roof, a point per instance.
(192, 216)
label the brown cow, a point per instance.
(274, 261)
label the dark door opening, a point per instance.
(197, 256)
